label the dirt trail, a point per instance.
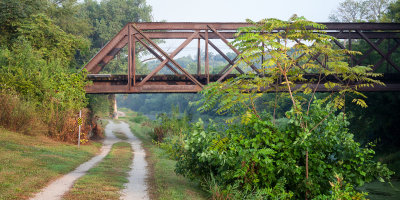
(136, 189)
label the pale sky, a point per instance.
(234, 11)
(240, 10)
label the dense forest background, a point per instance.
(43, 47)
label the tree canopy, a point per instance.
(360, 11)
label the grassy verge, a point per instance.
(103, 122)
(107, 179)
(163, 182)
(28, 163)
(120, 135)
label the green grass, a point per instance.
(28, 163)
(168, 185)
(107, 179)
(164, 183)
(103, 122)
(120, 135)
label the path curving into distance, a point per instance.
(135, 189)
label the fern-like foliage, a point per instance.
(298, 57)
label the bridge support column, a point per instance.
(114, 107)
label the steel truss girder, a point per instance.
(134, 34)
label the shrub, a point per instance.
(38, 92)
(18, 115)
(261, 158)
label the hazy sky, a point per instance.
(240, 10)
(234, 11)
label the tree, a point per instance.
(393, 12)
(66, 15)
(377, 9)
(15, 11)
(360, 11)
(50, 40)
(310, 134)
(107, 17)
(38, 63)
(290, 53)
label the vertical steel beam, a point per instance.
(134, 59)
(351, 56)
(388, 49)
(129, 58)
(262, 55)
(198, 58)
(207, 70)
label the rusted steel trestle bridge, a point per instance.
(134, 34)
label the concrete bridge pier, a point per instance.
(114, 106)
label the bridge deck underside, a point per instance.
(142, 35)
(181, 84)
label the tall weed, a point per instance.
(18, 115)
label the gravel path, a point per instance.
(136, 189)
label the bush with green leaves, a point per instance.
(260, 156)
(303, 151)
(35, 67)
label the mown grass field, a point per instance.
(163, 182)
(28, 163)
(107, 179)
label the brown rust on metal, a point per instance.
(169, 57)
(207, 61)
(236, 25)
(129, 58)
(144, 33)
(198, 58)
(231, 35)
(92, 66)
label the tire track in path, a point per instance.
(136, 188)
(56, 189)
